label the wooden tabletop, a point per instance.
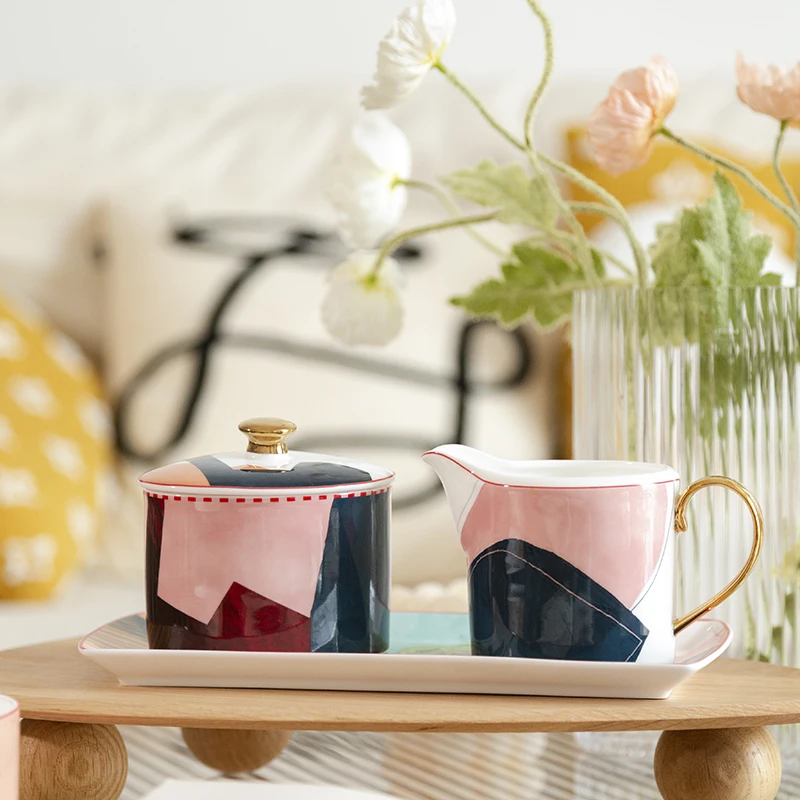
(54, 682)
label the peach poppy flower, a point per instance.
(769, 90)
(622, 127)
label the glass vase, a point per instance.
(706, 380)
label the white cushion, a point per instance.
(160, 292)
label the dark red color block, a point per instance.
(244, 620)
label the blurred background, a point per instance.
(270, 43)
(164, 242)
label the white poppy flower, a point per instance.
(414, 45)
(360, 308)
(365, 181)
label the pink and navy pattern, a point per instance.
(528, 602)
(570, 580)
(297, 573)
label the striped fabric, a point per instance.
(435, 766)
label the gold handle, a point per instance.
(267, 434)
(758, 538)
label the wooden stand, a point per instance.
(714, 746)
(69, 761)
(235, 751)
(732, 764)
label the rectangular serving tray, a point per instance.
(429, 653)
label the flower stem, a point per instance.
(616, 210)
(390, 244)
(547, 29)
(580, 236)
(789, 192)
(602, 211)
(572, 174)
(481, 108)
(444, 198)
(592, 208)
(580, 242)
(735, 169)
(776, 165)
(621, 264)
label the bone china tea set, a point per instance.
(275, 550)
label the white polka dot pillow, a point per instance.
(54, 454)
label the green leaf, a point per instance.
(599, 265)
(777, 640)
(537, 283)
(770, 279)
(712, 244)
(747, 251)
(519, 197)
(709, 246)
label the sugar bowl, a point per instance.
(268, 549)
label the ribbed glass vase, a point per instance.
(707, 381)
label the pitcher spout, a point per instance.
(456, 466)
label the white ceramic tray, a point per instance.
(430, 653)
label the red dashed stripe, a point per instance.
(289, 499)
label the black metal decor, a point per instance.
(315, 248)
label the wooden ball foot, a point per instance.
(730, 764)
(68, 761)
(234, 751)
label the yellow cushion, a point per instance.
(54, 450)
(675, 175)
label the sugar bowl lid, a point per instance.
(266, 467)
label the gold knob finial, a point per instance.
(267, 434)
